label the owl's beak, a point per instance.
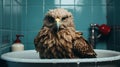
(57, 23)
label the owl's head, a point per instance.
(58, 19)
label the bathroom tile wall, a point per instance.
(26, 17)
(10, 23)
(85, 12)
(113, 19)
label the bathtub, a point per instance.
(30, 58)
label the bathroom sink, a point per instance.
(33, 56)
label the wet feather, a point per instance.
(65, 43)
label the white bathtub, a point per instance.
(30, 58)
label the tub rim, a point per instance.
(82, 60)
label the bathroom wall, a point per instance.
(113, 19)
(26, 17)
(10, 23)
(85, 12)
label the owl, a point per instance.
(58, 38)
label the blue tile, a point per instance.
(1, 54)
(6, 18)
(57, 2)
(98, 2)
(110, 15)
(36, 11)
(52, 2)
(34, 2)
(24, 18)
(116, 3)
(7, 2)
(34, 27)
(16, 18)
(99, 14)
(24, 2)
(101, 46)
(110, 2)
(67, 2)
(29, 46)
(31, 36)
(6, 37)
(69, 8)
(83, 2)
(34, 18)
(1, 2)
(16, 2)
(82, 17)
(47, 8)
(5, 49)
(0, 37)
(1, 9)
(117, 15)
(0, 17)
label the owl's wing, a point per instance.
(82, 48)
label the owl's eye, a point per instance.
(64, 18)
(51, 19)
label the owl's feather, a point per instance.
(66, 43)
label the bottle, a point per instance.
(17, 45)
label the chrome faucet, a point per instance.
(103, 30)
(93, 37)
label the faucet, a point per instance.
(104, 30)
(92, 38)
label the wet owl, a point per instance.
(58, 38)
